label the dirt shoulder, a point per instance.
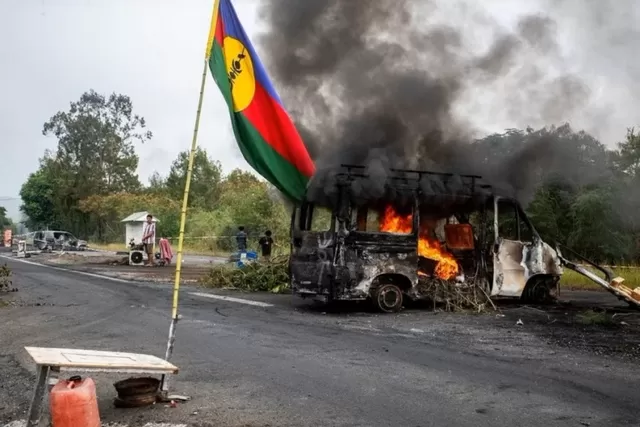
(111, 265)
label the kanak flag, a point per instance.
(265, 133)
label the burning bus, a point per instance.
(420, 232)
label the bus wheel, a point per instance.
(388, 298)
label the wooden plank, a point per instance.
(107, 360)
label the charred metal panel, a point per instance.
(311, 262)
(551, 261)
(371, 255)
(542, 259)
(516, 262)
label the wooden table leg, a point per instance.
(35, 409)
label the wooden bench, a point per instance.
(56, 360)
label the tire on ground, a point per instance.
(388, 297)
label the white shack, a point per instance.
(134, 225)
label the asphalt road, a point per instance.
(288, 365)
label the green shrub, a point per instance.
(5, 278)
(271, 276)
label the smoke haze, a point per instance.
(381, 84)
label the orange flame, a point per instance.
(392, 222)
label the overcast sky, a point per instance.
(54, 50)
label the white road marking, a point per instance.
(164, 425)
(231, 299)
(23, 423)
(114, 279)
(83, 273)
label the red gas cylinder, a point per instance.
(73, 403)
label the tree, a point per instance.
(627, 157)
(107, 211)
(238, 179)
(252, 203)
(524, 160)
(598, 233)
(244, 200)
(157, 184)
(205, 179)
(95, 141)
(95, 155)
(5, 221)
(550, 211)
(38, 198)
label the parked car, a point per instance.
(53, 240)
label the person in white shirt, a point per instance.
(148, 238)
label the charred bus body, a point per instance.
(426, 228)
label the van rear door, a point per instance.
(312, 250)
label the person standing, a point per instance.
(241, 239)
(148, 238)
(266, 244)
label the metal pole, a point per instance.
(35, 409)
(183, 218)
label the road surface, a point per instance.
(276, 363)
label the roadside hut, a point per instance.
(134, 226)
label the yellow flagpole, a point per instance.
(185, 201)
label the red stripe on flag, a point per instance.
(219, 30)
(275, 126)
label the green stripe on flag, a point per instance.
(255, 149)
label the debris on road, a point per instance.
(6, 279)
(271, 276)
(136, 392)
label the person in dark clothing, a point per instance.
(266, 244)
(241, 239)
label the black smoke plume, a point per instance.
(379, 82)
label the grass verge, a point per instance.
(572, 280)
(595, 318)
(187, 249)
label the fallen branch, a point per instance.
(455, 296)
(6, 279)
(270, 276)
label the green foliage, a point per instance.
(106, 211)
(584, 195)
(597, 231)
(577, 157)
(586, 219)
(549, 210)
(576, 281)
(5, 221)
(595, 318)
(628, 156)
(206, 174)
(38, 198)
(269, 276)
(96, 149)
(5, 278)
(244, 201)
(95, 155)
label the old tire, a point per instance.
(539, 290)
(388, 298)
